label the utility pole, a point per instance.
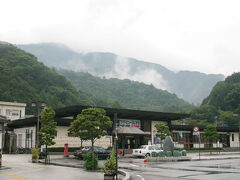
(116, 144)
(38, 105)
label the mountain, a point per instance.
(226, 94)
(130, 94)
(24, 79)
(191, 86)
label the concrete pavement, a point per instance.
(20, 167)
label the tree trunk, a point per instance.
(92, 140)
(46, 155)
(81, 143)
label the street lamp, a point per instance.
(116, 144)
(39, 105)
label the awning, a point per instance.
(131, 131)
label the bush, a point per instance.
(110, 165)
(34, 154)
(42, 155)
(91, 161)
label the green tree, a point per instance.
(75, 131)
(162, 131)
(116, 104)
(210, 133)
(48, 129)
(92, 124)
(205, 113)
(227, 118)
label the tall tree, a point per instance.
(92, 124)
(162, 131)
(48, 129)
(210, 133)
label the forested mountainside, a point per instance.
(24, 79)
(226, 94)
(222, 106)
(190, 86)
(130, 94)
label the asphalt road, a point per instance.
(207, 169)
(19, 167)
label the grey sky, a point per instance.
(179, 34)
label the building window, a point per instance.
(19, 140)
(232, 137)
(12, 112)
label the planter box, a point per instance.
(109, 177)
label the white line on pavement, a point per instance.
(134, 165)
(140, 177)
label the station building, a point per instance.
(135, 128)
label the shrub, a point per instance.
(110, 165)
(34, 154)
(91, 161)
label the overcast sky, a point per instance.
(179, 34)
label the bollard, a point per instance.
(66, 150)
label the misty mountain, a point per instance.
(191, 86)
(130, 94)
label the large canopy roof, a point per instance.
(123, 113)
(62, 115)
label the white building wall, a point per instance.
(21, 137)
(234, 139)
(12, 110)
(63, 138)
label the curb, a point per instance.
(206, 159)
(122, 172)
(64, 165)
(125, 174)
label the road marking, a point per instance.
(134, 165)
(140, 177)
(15, 176)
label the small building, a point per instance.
(12, 110)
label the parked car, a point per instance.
(146, 150)
(99, 151)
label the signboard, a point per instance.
(130, 123)
(195, 130)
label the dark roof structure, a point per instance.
(123, 113)
(3, 119)
(63, 114)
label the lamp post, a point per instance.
(38, 105)
(116, 144)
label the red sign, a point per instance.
(196, 129)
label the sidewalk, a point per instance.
(214, 155)
(60, 160)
